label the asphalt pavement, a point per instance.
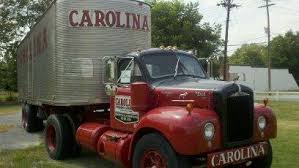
(17, 137)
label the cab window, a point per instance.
(128, 71)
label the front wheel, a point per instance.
(153, 150)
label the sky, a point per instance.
(248, 21)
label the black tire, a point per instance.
(30, 121)
(74, 123)
(58, 137)
(264, 162)
(157, 143)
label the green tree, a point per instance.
(17, 17)
(177, 24)
(285, 52)
(249, 54)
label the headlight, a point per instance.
(262, 122)
(209, 131)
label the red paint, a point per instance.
(145, 24)
(71, 16)
(115, 124)
(51, 137)
(237, 155)
(136, 21)
(118, 20)
(114, 145)
(153, 158)
(35, 47)
(141, 97)
(173, 97)
(86, 20)
(180, 128)
(87, 134)
(163, 110)
(108, 18)
(100, 16)
(271, 126)
(128, 20)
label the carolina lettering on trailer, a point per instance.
(109, 18)
(35, 46)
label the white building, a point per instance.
(257, 78)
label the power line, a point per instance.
(268, 31)
(228, 5)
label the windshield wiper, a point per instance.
(176, 68)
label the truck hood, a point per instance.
(191, 83)
(183, 90)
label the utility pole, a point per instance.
(228, 5)
(269, 38)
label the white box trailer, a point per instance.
(60, 61)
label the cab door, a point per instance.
(122, 116)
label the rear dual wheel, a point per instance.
(30, 121)
(60, 137)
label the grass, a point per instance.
(37, 157)
(9, 108)
(285, 147)
(8, 96)
(26, 158)
(5, 127)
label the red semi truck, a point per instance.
(80, 69)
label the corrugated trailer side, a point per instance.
(35, 60)
(83, 41)
(60, 62)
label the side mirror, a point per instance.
(110, 76)
(110, 71)
(140, 97)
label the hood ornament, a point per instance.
(240, 92)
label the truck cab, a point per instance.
(164, 112)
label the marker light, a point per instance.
(266, 101)
(209, 131)
(262, 122)
(189, 107)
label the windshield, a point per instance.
(170, 64)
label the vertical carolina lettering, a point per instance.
(86, 19)
(136, 21)
(71, 18)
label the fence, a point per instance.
(277, 96)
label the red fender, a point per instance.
(183, 131)
(271, 127)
